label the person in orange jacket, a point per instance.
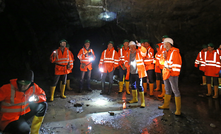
(218, 50)
(86, 57)
(158, 67)
(172, 66)
(108, 62)
(136, 71)
(212, 68)
(68, 79)
(149, 65)
(199, 62)
(123, 53)
(63, 66)
(20, 100)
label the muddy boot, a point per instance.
(127, 84)
(209, 90)
(102, 88)
(121, 87)
(163, 91)
(178, 105)
(157, 85)
(151, 89)
(52, 89)
(216, 92)
(145, 88)
(68, 85)
(80, 87)
(135, 99)
(62, 92)
(142, 99)
(109, 89)
(166, 102)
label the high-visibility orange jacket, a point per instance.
(109, 60)
(157, 64)
(140, 54)
(123, 53)
(14, 103)
(149, 59)
(87, 60)
(200, 60)
(212, 64)
(173, 61)
(63, 61)
(218, 50)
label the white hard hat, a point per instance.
(168, 40)
(132, 43)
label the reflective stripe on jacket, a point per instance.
(86, 60)
(123, 54)
(149, 59)
(200, 61)
(212, 64)
(173, 61)
(109, 60)
(63, 61)
(14, 103)
(140, 54)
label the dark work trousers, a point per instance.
(159, 76)
(56, 78)
(215, 80)
(21, 126)
(171, 85)
(104, 75)
(136, 82)
(88, 78)
(122, 73)
(150, 74)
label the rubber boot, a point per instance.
(204, 80)
(145, 88)
(121, 86)
(157, 85)
(178, 105)
(36, 124)
(109, 89)
(80, 86)
(151, 89)
(134, 94)
(68, 85)
(209, 90)
(142, 100)
(62, 92)
(127, 85)
(166, 102)
(216, 92)
(211, 81)
(52, 89)
(163, 91)
(219, 81)
(102, 87)
(123, 79)
(60, 86)
(89, 85)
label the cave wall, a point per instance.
(30, 30)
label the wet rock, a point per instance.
(71, 101)
(212, 125)
(78, 104)
(111, 113)
(79, 110)
(87, 105)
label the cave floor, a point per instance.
(111, 114)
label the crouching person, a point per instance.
(22, 99)
(136, 70)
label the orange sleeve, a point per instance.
(197, 61)
(2, 93)
(93, 54)
(40, 93)
(80, 55)
(52, 58)
(142, 51)
(116, 60)
(101, 60)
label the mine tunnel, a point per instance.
(31, 31)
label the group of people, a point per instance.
(22, 99)
(208, 61)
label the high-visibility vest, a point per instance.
(149, 59)
(157, 64)
(218, 50)
(173, 61)
(199, 61)
(140, 54)
(109, 60)
(212, 64)
(86, 60)
(62, 60)
(123, 53)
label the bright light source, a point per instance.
(91, 59)
(107, 16)
(101, 70)
(89, 127)
(101, 102)
(133, 63)
(32, 98)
